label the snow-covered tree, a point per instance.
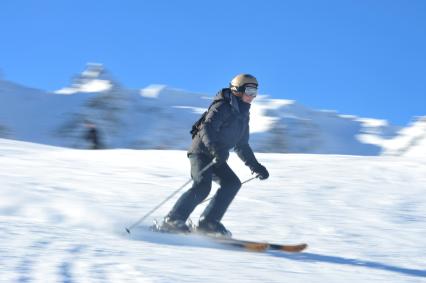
(104, 106)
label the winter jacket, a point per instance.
(226, 126)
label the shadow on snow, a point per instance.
(203, 242)
(312, 257)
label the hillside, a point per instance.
(63, 213)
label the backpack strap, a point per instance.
(197, 125)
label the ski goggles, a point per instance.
(250, 91)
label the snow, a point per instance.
(152, 91)
(410, 141)
(92, 79)
(63, 214)
(92, 86)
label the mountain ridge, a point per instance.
(160, 117)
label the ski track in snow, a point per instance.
(63, 214)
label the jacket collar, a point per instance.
(228, 96)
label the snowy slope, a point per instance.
(160, 117)
(410, 141)
(416, 147)
(63, 213)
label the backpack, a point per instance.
(197, 125)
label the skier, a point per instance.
(92, 135)
(223, 127)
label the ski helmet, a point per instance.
(239, 83)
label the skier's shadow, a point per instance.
(202, 242)
(313, 257)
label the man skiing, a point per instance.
(92, 135)
(223, 127)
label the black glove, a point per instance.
(220, 156)
(260, 170)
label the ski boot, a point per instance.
(171, 226)
(213, 228)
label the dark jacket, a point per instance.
(92, 136)
(226, 126)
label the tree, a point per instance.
(104, 110)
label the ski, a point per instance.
(256, 246)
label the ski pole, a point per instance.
(242, 183)
(164, 201)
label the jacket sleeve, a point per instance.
(244, 151)
(214, 120)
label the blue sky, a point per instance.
(361, 57)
